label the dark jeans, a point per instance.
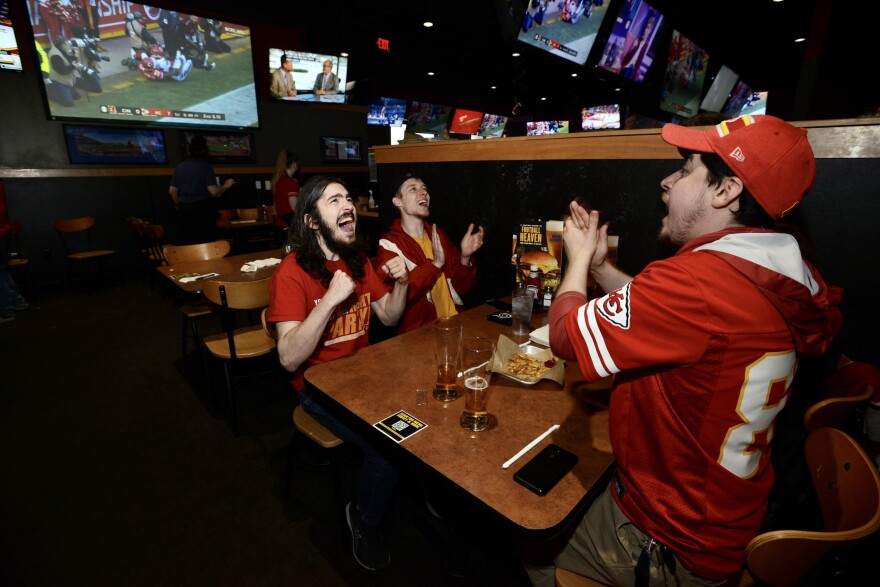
(378, 474)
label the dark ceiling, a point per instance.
(469, 48)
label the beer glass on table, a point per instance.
(447, 348)
(477, 354)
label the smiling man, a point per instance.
(321, 297)
(439, 273)
(704, 346)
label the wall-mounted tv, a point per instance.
(600, 117)
(341, 150)
(386, 111)
(547, 127)
(630, 48)
(313, 82)
(721, 86)
(466, 122)
(97, 145)
(567, 29)
(756, 103)
(223, 147)
(685, 76)
(428, 118)
(9, 56)
(737, 99)
(138, 64)
(492, 126)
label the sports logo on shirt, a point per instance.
(614, 307)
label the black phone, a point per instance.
(502, 317)
(545, 469)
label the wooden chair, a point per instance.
(235, 345)
(258, 237)
(197, 309)
(849, 390)
(76, 237)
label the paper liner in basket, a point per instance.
(506, 348)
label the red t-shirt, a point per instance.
(294, 294)
(283, 188)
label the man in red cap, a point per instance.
(704, 347)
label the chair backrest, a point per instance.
(851, 386)
(75, 233)
(831, 412)
(69, 225)
(175, 254)
(248, 213)
(268, 327)
(226, 214)
(153, 237)
(848, 489)
(238, 295)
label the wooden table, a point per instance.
(229, 269)
(240, 227)
(376, 382)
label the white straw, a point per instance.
(530, 446)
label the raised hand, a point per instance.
(396, 269)
(472, 241)
(341, 286)
(437, 246)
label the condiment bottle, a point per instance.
(533, 281)
(548, 297)
(372, 203)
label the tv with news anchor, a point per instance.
(314, 82)
(9, 55)
(383, 111)
(685, 76)
(601, 117)
(566, 29)
(97, 145)
(492, 126)
(466, 122)
(427, 117)
(137, 64)
(629, 51)
(547, 127)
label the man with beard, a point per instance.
(321, 297)
(704, 346)
(439, 273)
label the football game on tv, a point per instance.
(316, 77)
(601, 117)
(427, 118)
(492, 126)
(547, 127)
(386, 111)
(127, 63)
(566, 28)
(9, 56)
(630, 48)
(109, 145)
(685, 76)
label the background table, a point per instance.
(376, 382)
(228, 268)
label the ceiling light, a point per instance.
(800, 39)
(574, 75)
(427, 24)
(515, 54)
(616, 89)
(343, 54)
(430, 73)
(494, 87)
(542, 99)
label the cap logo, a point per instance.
(731, 126)
(738, 155)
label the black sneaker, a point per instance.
(367, 542)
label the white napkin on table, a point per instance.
(541, 335)
(259, 264)
(192, 278)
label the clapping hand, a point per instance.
(472, 241)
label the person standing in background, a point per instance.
(193, 185)
(285, 189)
(326, 82)
(11, 301)
(282, 85)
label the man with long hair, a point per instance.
(321, 297)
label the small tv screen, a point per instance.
(601, 117)
(341, 150)
(567, 29)
(137, 64)
(427, 118)
(721, 86)
(386, 111)
(492, 126)
(466, 122)
(9, 56)
(223, 147)
(630, 48)
(685, 76)
(313, 82)
(96, 145)
(737, 99)
(756, 103)
(547, 127)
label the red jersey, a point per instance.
(283, 188)
(705, 347)
(293, 294)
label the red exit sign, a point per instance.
(383, 44)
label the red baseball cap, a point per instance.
(772, 158)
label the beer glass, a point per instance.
(477, 354)
(447, 348)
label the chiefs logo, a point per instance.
(614, 307)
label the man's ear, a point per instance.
(310, 222)
(727, 192)
(397, 201)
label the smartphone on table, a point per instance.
(545, 469)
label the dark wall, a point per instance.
(839, 214)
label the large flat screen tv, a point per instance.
(223, 147)
(466, 122)
(309, 76)
(601, 117)
(383, 111)
(721, 86)
(567, 29)
(630, 48)
(547, 127)
(9, 56)
(427, 118)
(492, 126)
(96, 145)
(685, 76)
(138, 64)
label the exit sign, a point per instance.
(383, 44)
